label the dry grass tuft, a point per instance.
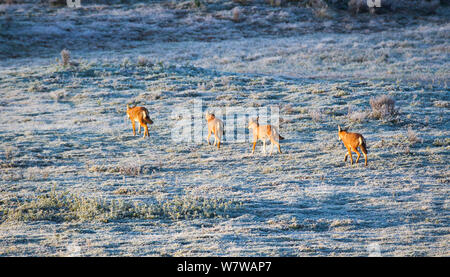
(412, 136)
(143, 61)
(383, 107)
(65, 57)
(236, 14)
(315, 114)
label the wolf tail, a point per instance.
(362, 143)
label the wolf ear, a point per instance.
(339, 128)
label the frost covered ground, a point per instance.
(74, 181)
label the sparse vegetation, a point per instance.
(67, 207)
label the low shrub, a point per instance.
(383, 107)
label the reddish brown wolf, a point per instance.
(140, 115)
(352, 141)
(264, 132)
(215, 126)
